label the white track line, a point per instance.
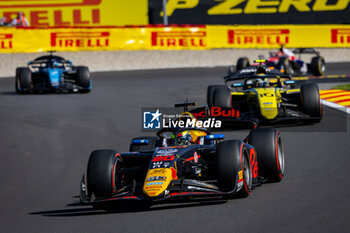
(336, 106)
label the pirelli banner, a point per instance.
(226, 12)
(58, 13)
(172, 38)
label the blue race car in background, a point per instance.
(52, 73)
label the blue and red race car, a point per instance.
(52, 73)
(182, 163)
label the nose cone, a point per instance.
(54, 76)
(157, 181)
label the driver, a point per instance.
(261, 83)
(184, 138)
(53, 64)
(188, 137)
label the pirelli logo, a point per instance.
(179, 39)
(258, 36)
(81, 39)
(340, 36)
(6, 41)
(47, 3)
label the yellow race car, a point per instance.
(266, 96)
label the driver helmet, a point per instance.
(55, 64)
(184, 138)
(261, 83)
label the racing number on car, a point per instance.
(163, 158)
(254, 163)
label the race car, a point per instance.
(182, 163)
(262, 96)
(286, 61)
(52, 73)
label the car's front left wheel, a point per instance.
(83, 77)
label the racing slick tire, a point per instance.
(83, 77)
(23, 80)
(310, 101)
(210, 93)
(152, 143)
(242, 63)
(269, 152)
(103, 176)
(317, 66)
(232, 157)
(221, 97)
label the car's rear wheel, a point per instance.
(23, 80)
(152, 143)
(103, 174)
(310, 101)
(232, 162)
(83, 77)
(269, 152)
(210, 93)
(242, 63)
(219, 96)
(317, 66)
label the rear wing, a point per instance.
(242, 76)
(306, 51)
(253, 72)
(185, 105)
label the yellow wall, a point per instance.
(78, 12)
(206, 37)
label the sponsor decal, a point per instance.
(160, 164)
(254, 163)
(219, 112)
(47, 3)
(167, 151)
(156, 178)
(6, 40)
(240, 175)
(154, 188)
(179, 39)
(195, 157)
(155, 183)
(54, 12)
(247, 70)
(80, 39)
(340, 36)
(272, 7)
(163, 158)
(157, 171)
(258, 36)
(239, 7)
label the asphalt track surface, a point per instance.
(46, 140)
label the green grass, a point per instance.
(345, 87)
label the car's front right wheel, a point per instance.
(233, 167)
(310, 102)
(23, 80)
(269, 152)
(103, 174)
